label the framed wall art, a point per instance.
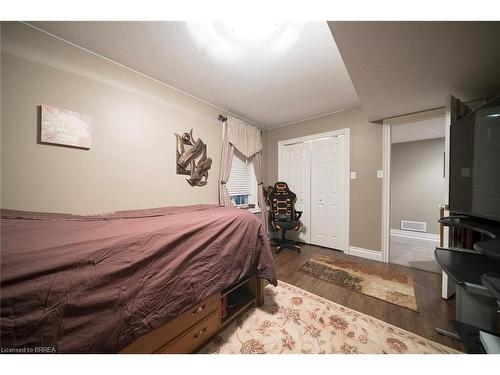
(191, 159)
(64, 127)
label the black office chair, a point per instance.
(282, 215)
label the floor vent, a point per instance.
(416, 226)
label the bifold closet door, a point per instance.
(297, 174)
(328, 193)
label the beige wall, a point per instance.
(366, 158)
(132, 160)
(417, 182)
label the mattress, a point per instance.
(94, 284)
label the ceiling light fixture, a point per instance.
(231, 40)
(248, 30)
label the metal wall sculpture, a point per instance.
(192, 159)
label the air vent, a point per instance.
(416, 226)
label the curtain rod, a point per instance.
(223, 118)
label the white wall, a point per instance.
(417, 182)
(132, 161)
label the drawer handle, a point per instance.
(201, 332)
(199, 309)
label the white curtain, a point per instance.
(225, 169)
(247, 140)
(257, 167)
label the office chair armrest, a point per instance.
(298, 214)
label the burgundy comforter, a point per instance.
(83, 284)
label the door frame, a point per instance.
(386, 166)
(346, 132)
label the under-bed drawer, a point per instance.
(155, 340)
(195, 337)
(195, 314)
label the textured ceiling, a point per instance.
(404, 67)
(292, 73)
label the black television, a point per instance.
(475, 163)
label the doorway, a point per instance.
(417, 190)
(316, 168)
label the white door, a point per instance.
(328, 195)
(297, 174)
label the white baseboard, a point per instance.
(365, 253)
(415, 235)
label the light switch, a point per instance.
(380, 173)
(353, 175)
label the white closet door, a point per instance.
(328, 193)
(296, 168)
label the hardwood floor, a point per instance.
(433, 310)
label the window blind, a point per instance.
(239, 179)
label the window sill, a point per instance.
(255, 210)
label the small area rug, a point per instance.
(293, 320)
(389, 286)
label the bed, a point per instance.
(102, 283)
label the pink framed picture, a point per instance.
(64, 127)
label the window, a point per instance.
(242, 184)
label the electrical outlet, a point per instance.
(353, 175)
(380, 173)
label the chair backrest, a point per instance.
(282, 202)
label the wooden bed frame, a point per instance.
(202, 322)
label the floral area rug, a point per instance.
(293, 320)
(389, 286)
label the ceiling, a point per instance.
(419, 130)
(404, 67)
(268, 74)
